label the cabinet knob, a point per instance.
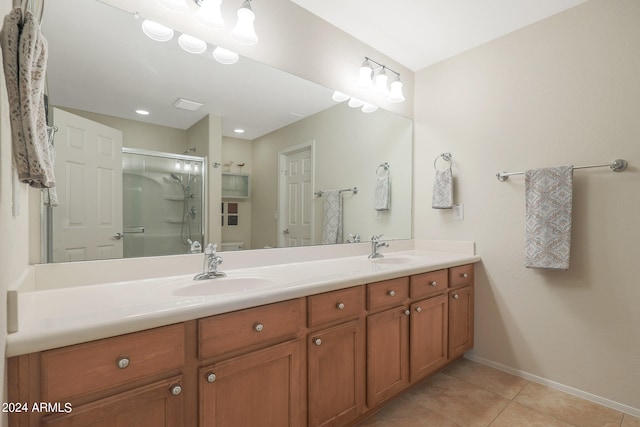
(211, 377)
(258, 327)
(434, 283)
(418, 309)
(123, 362)
(340, 306)
(455, 296)
(176, 389)
(407, 312)
(317, 341)
(391, 293)
(465, 275)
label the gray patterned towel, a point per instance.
(382, 193)
(332, 221)
(548, 195)
(443, 190)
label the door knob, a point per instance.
(285, 231)
(118, 236)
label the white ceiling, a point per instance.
(419, 33)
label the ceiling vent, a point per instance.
(186, 104)
(291, 117)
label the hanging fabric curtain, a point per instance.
(24, 53)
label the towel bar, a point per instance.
(617, 165)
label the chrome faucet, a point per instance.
(210, 265)
(375, 244)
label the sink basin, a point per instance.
(397, 260)
(225, 285)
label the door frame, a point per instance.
(282, 192)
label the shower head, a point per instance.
(176, 177)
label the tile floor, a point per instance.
(468, 394)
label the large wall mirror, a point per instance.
(185, 172)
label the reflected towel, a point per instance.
(548, 199)
(382, 193)
(332, 220)
(443, 190)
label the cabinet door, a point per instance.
(460, 321)
(387, 354)
(336, 369)
(428, 339)
(157, 404)
(262, 388)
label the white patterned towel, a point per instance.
(382, 193)
(332, 221)
(548, 196)
(443, 189)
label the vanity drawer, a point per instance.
(252, 327)
(336, 305)
(461, 276)
(428, 283)
(98, 365)
(387, 293)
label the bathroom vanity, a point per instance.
(328, 352)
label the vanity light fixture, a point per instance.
(365, 81)
(225, 56)
(244, 31)
(157, 32)
(179, 6)
(210, 13)
(192, 44)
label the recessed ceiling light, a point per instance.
(142, 112)
(238, 130)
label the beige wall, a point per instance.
(349, 146)
(563, 91)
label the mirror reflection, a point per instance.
(257, 189)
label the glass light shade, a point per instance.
(157, 32)
(187, 166)
(225, 56)
(339, 96)
(364, 77)
(244, 31)
(191, 44)
(178, 165)
(381, 88)
(355, 103)
(396, 95)
(369, 108)
(179, 6)
(210, 14)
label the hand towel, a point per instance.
(443, 189)
(382, 193)
(548, 199)
(332, 220)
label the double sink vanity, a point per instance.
(296, 337)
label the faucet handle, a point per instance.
(375, 238)
(211, 249)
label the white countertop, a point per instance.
(54, 318)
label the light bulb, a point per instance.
(174, 5)
(191, 44)
(210, 14)
(369, 108)
(381, 88)
(355, 103)
(225, 56)
(157, 32)
(339, 96)
(364, 76)
(178, 165)
(244, 31)
(395, 95)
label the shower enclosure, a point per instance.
(163, 202)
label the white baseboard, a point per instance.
(555, 385)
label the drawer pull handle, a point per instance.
(211, 377)
(407, 312)
(176, 389)
(391, 293)
(317, 341)
(258, 327)
(465, 275)
(123, 362)
(434, 283)
(455, 296)
(340, 306)
(418, 309)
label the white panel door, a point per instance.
(297, 190)
(89, 185)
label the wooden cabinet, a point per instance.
(336, 357)
(261, 388)
(460, 321)
(428, 339)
